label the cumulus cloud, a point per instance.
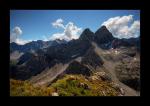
(15, 36)
(71, 31)
(15, 33)
(60, 36)
(17, 30)
(58, 23)
(123, 27)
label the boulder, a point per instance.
(55, 94)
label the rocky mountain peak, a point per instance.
(102, 28)
(87, 34)
(102, 35)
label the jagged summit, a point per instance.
(102, 28)
(87, 34)
(102, 35)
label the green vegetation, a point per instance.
(24, 88)
(69, 85)
(78, 85)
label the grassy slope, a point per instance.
(24, 88)
(69, 85)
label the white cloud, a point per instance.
(21, 41)
(71, 31)
(58, 23)
(123, 27)
(15, 33)
(59, 36)
(15, 36)
(17, 30)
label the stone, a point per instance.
(122, 91)
(55, 94)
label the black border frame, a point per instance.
(65, 5)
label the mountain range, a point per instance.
(42, 62)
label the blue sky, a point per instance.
(37, 24)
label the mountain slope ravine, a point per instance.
(110, 66)
(48, 75)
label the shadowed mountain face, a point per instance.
(78, 56)
(87, 35)
(77, 68)
(92, 59)
(103, 37)
(126, 42)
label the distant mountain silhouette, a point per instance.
(34, 45)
